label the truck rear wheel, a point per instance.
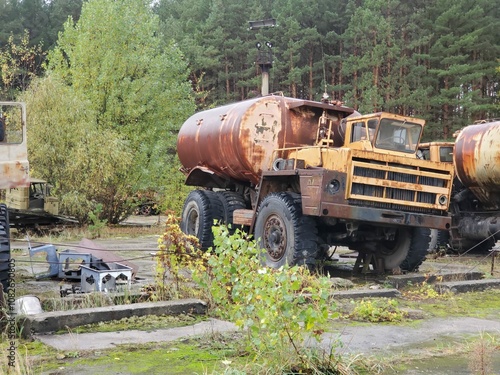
(408, 250)
(4, 247)
(200, 210)
(420, 243)
(230, 201)
(433, 243)
(443, 238)
(395, 252)
(287, 236)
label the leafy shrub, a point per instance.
(97, 225)
(280, 309)
(177, 254)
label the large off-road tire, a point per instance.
(201, 209)
(433, 243)
(420, 243)
(285, 235)
(231, 201)
(4, 246)
(443, 238)
(407, 251)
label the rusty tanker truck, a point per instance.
(303, 176)
(475, 201)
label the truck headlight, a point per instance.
(443, 199)
(333, 186)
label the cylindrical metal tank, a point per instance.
(237, 140)
(477, 160)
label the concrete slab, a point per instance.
(374, 339)
(106, 340)
(60, 320)
(367, 293)
(400, 281)
(467, 286)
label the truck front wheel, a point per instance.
(285, 235)
(200, 210)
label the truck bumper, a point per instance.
(380, 216)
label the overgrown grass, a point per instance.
(25, 354)
(205, 355)
(140, 323)
(72, 233)
(79, 301)
(475, 353)
(377, 310)
(477, 304)
(461, 263)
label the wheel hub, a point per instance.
(275, 238)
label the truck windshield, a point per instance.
(398, 135)
(11, 128)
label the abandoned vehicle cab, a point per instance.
(386, 131)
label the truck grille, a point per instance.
(397, 186)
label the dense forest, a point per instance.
(127, 73)
(436, 59)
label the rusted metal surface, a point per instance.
(324, 194)
(378, 180)
(477, 161)
(13, 174)
(238, 140)
(243, 217)
(480, 227)
(14, 167)
(388, 217)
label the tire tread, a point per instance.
(4, 246)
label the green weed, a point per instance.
(378, 310)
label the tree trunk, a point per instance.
(293, 85)
(228, 85)
(446, 113)
(311, 83)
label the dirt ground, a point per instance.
(137, 249)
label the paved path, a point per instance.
(376, 339)
(106, 340)
(361, 339)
